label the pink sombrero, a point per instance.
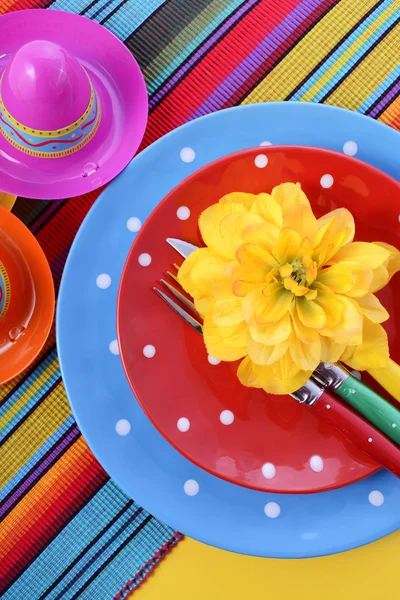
(73, 105)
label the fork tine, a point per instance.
(181, 312)
(174, 277)
(180, 296)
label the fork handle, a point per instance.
(369, 439)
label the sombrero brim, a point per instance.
(121, 89)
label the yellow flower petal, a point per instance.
(335, 229)
(185, 271)
(330, 351)
(228, 311)
(288, 195)
(209, 224)
(274, 333)
(310, 314)
(373, 353)
(243, 280)
(339, 219)
(350, 278)
(392, 264)
(233, 226)
(301, 219)
(204, 305)
(380, 279)
(283, 377)
(262, 234)
(266, 305)
(262, 354)
(296, 288)
(287, 246)
(338, 278)
(373, 309)
(246, 373)
(255, 259)
(209, 277)
(365, 253)
(348, 330)
(225, 343)
(303, 333)
(239, 198)
(306, 356)
(268, 208)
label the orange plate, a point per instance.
(179, 382)
(26, 297)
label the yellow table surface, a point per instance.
(193, 571)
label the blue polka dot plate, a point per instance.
(127, 445)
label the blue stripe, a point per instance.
(93, 563)
(339, 52)
(128, 18)
(36, 457)
(380, 90)
(145, 545)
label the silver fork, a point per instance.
(352, 425)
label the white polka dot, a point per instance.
(268, 470)
(328, 405)
(376, 498)
(356, 374)
(103, 281)
(187, 155)
(114, 347)
(350, 148)
(183, 213)
(212, 360)
(394, 425)
(191, 487)
(370, 440)
(265, 143)
(134, 224)
(123, 427)
(227, 417)
(272, 510)
(352, 391)
(316, 463)
(144, 260)
(326, 181)
(183, 424)
(149, 351)
(261, 161)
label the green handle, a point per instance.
(373, 407)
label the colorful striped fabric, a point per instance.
(67, 531)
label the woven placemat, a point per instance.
(67, 531)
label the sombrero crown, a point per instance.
(48, 105)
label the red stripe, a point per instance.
(262, 71)
(50, 524)
(215, 67)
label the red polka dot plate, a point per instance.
(243, 435)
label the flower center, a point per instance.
(299, 271)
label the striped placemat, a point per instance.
(67, 531)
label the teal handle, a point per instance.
(373, 407)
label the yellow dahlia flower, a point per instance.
(285, 291)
